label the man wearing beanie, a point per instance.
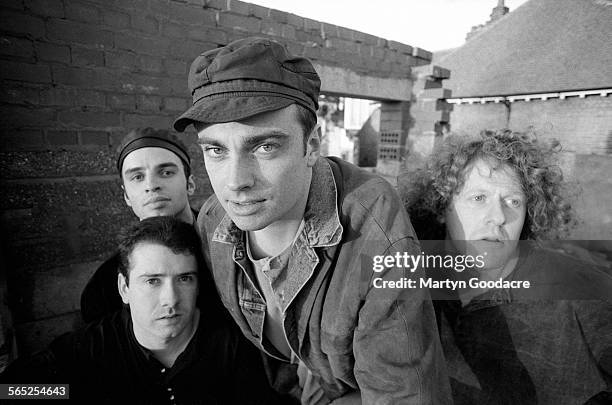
(156, 178)
(291, 237)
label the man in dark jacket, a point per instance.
(161, 349)
(155, 172)
(291, 237)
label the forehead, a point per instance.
(284, 121)
(153, 258)
(483, 175)
(150, 156)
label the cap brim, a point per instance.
(234, 107)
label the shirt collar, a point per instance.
(322, 225)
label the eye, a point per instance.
(478, 198)
(267, 148)
(153, 282)
(137, 177)
(167, 173)
(212, 151)
(514, 202)
(188, 278)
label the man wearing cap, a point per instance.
(155, 172)
(290, 238)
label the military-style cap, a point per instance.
(248, 77)
(151, 138)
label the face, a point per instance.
(161, 293)
(488, 213)
(154, 184)
(258, 168)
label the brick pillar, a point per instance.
(430, 113)
(395, 122)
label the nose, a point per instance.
(152, 183)
(495, 214)
(169, 296)
(240, 174)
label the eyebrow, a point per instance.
(250, 141)
(159, 166)
(149, 275)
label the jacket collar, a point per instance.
(322, 225)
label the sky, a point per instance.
(429, 24)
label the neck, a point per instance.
(167, 350)
(186, 215)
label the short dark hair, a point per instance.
(428, 191)
(307, 120)
(167, 231)
(156, 137)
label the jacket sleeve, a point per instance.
(398, 356)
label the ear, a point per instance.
(191, 185)
(125, 197)
(313, 146)
(123, 288)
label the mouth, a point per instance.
(245, 207)
(157, 200)
(169, 318)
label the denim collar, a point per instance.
(322, 227)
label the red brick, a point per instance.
(155, 121)
(259, 11)
(121, 59)
(121, 101)
(148, 103)
(25, 72)
(89, 98)
(115, 19)
(87, 57)
(88, 78)
(278, 16)
(345, 33)
(17, 94)
(190, 15)
(60, 96)
(46, 8)
(142, 45)
(239, 7)
(46, 51)
(82, 12)
(398, 46)
(213, 35)
(145, 23)
(69, 31)
(250, 24)
(216, 4)
(176, 103)
(189, 49)
(89, 119)
(62, 137)
(18, 140)
(173, 30)
(22, 24)
(150, 63)
(19, 47)
(288, 31)
(176, 67)
(295, 20)
(312, 25)
(94, 138)
(271, 28)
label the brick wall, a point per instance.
(76, 75)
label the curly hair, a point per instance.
(428, 191)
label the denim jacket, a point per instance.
(382, 342)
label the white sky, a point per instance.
(429, 24)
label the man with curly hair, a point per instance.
(498, 197)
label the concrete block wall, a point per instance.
(76, 75)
